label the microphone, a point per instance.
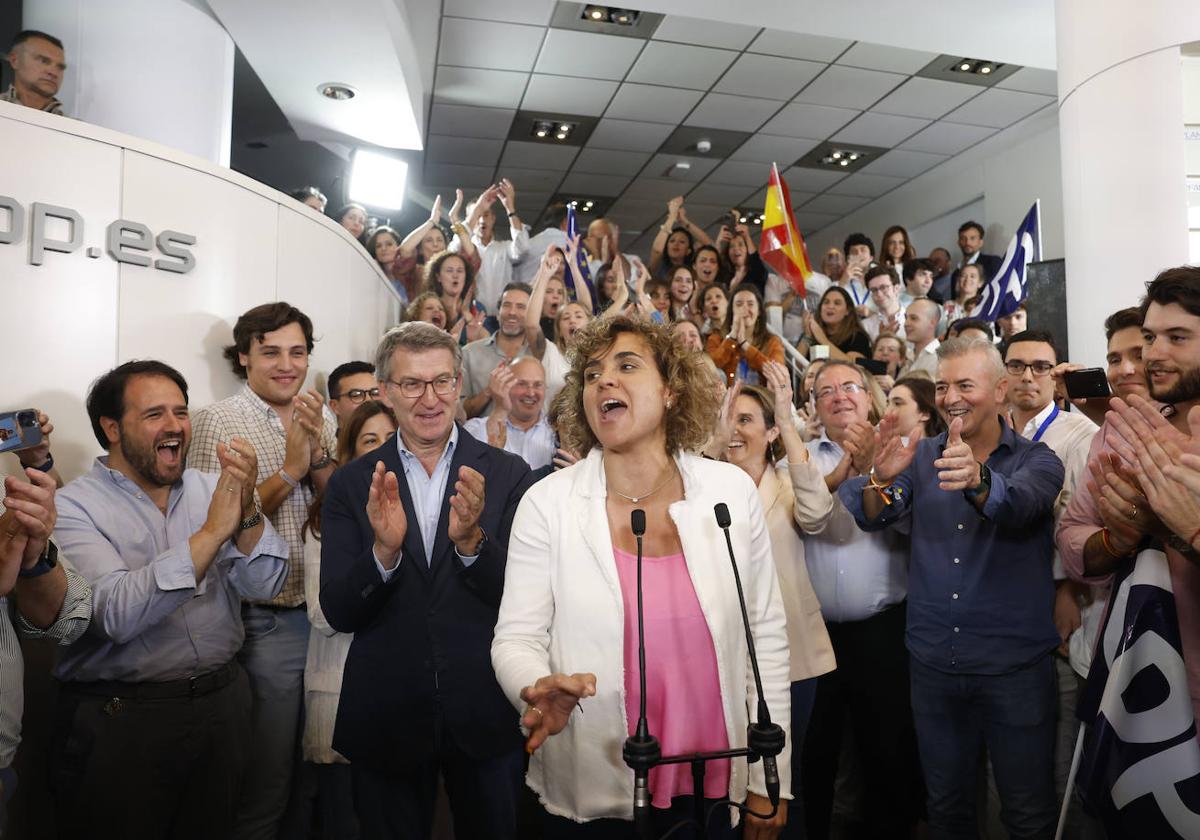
(764, 738)
(642, 750)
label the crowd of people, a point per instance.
(292, 611)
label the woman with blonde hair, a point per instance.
(637, 406)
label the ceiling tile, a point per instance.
(652, 104)
(467, 121)
(531, 180)
(829, 203)
(565, 95)
(767, 76)
(810, 222)
(587, 54)
(903, 163)
(879, 130)
(759, 199)
(737, 113)
(705, 33)
(656, 189)
(726, 195)
(459, 176)
(849, 87)
(770, 148)
(1032, 80)
(742, 173)
(494, 88)
(588, 184)
(698, 168)
(999, 108)
(628, 135)
(680, 65)
(514, 11)
(799, 45)
(883, 57)
(946, 138)
(865, 185)
(464, 150)
(496, 46)
(812, 121)
(705, 214)
(538, 155)
(810, 180)
(636, 212)
(686, 139)
(929, 98)
(607, 161)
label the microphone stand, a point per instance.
(642, 751)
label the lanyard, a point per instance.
(1045, 425)
(857, 300)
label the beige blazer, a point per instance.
(789, 515)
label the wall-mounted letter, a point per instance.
(169, 242)
(16, 221)
(39, 244)
(123, 237)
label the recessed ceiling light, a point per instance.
(985, 69)
(965, 66)
(843, 162)
(561, 135)
(596, 13)
(336, 91)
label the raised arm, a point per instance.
(582, 296)
(408, 246)
(534, 337)
(466, 246)
(699, 236)
(660, 239)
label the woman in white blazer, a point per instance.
(757, 431)
(636, 404)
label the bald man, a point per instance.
(517, 423)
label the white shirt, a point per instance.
(874, 324)
(497, 259)
(856, 574)
(536, 445)
(926, 360)
(525, 270)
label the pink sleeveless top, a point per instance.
(683, 691)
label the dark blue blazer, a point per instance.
(990, 263)
(422, 641)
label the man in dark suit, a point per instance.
(970, 242)
(414, 543)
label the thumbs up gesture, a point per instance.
(957, 468)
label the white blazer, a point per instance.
(562, 612)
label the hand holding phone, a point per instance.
(20, 430)
(1086, 384)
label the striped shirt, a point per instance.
(246, 414)
(51, 107)
(70, 623)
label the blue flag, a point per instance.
(1006, 290)
(581, 258)
(1139, 770)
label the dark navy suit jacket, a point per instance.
(422, 645)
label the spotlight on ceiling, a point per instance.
(975, 66)
(608, 14)
(543, 129)
(377, 180)
(336, 91)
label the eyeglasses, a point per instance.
(357, 395)
(415, 388)
(847, 388)
(1017, 368)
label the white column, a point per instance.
(1121, 116)
(158, 69)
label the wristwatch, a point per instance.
(251, 520)
(325, 460)
(984, 485)
(45, 563)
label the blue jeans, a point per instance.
(273, 656)
(1014, 715)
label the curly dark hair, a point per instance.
(695, 399)
(434, 267)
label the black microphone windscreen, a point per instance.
(722, 511)
(637, 521)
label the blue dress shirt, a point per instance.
(980, 587)
(151, 620)
(427, 492)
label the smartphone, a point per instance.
(872, 366)
(19, 430)
(1087, 384)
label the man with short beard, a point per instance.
(153, 719)
(482, 359)
(1108, 519)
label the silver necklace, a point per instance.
(636, 499)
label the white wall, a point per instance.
(72, 318)
(1007, 172)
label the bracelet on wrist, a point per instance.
(287, 479)
(1108, 546)
(881, 489)
(513, 213)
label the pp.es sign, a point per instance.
(126, 242)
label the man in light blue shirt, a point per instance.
(861, 581)
(517, 423)
(154, 711)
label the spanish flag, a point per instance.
(781, 245)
